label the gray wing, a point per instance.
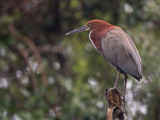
(120, 51)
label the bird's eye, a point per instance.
(88, 25)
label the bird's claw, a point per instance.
(123, 98)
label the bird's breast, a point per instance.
(96, 41)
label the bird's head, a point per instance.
(91, 25)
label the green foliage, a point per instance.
(76, 75)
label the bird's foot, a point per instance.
(114, 87)
(123, 98)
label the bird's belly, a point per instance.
(111, 62)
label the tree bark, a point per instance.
(116, 109)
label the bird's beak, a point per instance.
(81, 29)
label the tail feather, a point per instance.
(138, 78)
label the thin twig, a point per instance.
(34, 49)
(25, 55)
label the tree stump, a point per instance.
(116, 109)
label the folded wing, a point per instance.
(120, 51)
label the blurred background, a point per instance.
(45, 75)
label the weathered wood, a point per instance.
(116, 109)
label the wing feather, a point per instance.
(121, 52)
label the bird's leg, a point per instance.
(115, 84)
(125, 83)
(124, 91)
